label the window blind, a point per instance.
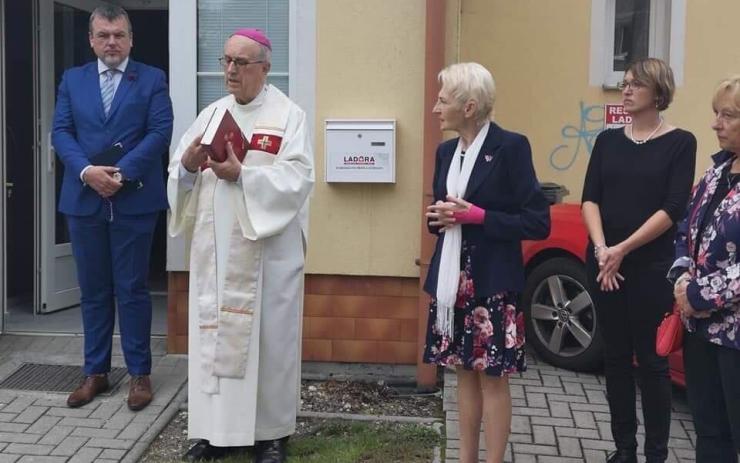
(218, 19)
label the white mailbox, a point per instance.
(360, 151)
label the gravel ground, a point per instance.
(316, 396)
(367, 399)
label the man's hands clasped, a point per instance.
(196, 155)
(103, 180)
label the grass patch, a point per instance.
(345, 442)
(362, 442)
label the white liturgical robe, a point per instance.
(246, 273)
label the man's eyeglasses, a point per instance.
(225, 61)
(631, 84)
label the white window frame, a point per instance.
(184, 80)
(667, 39)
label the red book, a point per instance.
(222, 128)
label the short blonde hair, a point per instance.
(731, 87)
(470, 81)
(656, 74)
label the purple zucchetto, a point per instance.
(255, 34)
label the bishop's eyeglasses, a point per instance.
(225, 61)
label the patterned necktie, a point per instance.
(107, 90)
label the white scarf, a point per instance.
(448, 278)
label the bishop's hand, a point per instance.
(194, 156)
(230, 169)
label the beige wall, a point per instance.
(370, 64)
(539, 54)
(711, 54)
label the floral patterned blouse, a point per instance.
(715, 286)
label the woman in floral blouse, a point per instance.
(708, 290)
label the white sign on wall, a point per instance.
(360, 151)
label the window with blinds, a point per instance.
(217, 19)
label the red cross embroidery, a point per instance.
(264, 142)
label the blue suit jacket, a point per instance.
(503, 183)
(140, 119)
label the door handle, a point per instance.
(9, 189)
(50, 166)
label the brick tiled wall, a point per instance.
(345, 318)
(177, 312)
(360, 319)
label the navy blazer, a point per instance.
(140, 119)
(503, 183)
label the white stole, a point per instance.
(448, 278)
(225, 330)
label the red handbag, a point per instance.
(670, 333)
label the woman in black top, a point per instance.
(637, 184)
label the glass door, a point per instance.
(62, 43)
(3, 186)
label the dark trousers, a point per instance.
(112, 252)
(628, 320)
(713, 390)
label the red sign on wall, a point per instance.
(615, 116)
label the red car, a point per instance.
(559, 312)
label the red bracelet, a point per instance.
(474, 215)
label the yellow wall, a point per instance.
(539, 51)
(369, 64)
(711, 55)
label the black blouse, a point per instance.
(631, 182)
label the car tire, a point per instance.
(560, 315)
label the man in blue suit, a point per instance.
(112, 124)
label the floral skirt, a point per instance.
(488, 333)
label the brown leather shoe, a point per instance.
(87, 390)
(139, 392)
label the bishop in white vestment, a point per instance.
(248, 223)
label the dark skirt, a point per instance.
(488, 332)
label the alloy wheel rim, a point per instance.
(563, 315)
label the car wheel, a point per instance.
(560, 315)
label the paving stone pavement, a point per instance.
(559, 416)
(39, 427)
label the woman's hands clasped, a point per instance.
(442, 213)
(609, 259)
(679, 293)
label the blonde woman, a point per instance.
(708, 290)
(487, 199)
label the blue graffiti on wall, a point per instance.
(590, 125)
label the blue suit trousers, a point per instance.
(112, 253)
